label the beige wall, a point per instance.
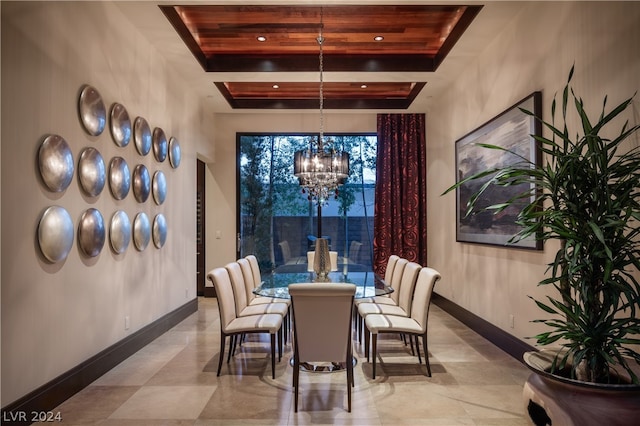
(55, 316)
(534, 52)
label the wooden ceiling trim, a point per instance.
(343, 97)
(417, 38)
(174, 19)
(465, 20)
(310, 90)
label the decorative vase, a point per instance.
(550, 399)
(322, 260)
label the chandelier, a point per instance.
(321, 169)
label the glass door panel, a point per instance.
(276, 220)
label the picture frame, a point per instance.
(514, 130)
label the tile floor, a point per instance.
(172, 381)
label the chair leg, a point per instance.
(367, 338)
(273, 356)
(232, 347)
(296, 379)
(349, 381)
(280, 337)
(417, 347)
(374, 351)
(223, 339)
(426, 354)
(285, 326)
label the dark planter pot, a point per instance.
(554, 400)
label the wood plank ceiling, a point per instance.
(225, 39)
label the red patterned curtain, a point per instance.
(400, 221)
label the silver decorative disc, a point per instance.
(159, 230)
(174, 152)
(159, 144)
(91, 232)
(141, 231)
(93, 113)
(120, 232)
(55, 234)
(159, 187)
(142, 135)
(120, 125)
(141, 183)
(119, 178)
(55, 161)
(91, 171)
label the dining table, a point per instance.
(368, 283)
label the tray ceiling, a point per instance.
(224, 39)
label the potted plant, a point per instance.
(586, 194)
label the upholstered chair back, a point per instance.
(322, 320)
(396, 278)
(391, 263)
(255, 268)
(427, 279)
(311, 256)
(224, 293)
(409, 278)
(247, 276)
(237, 283)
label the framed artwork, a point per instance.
(511, 130)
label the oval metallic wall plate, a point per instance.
(175, 154)
(141, 183)
(159, 230)
(91, 171)
(91, 232)
(120, 125)
(119, 178)
(159, 144)
(55, 161)
(159, 187)
(120, 232)
(93, 113)
(142, 135)
(141, 231)
(55, 234)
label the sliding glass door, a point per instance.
(278, 223)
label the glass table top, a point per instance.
(368, 283)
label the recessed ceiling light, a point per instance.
(275, 86)
(261, 38)
(378, 38)
(363, 86)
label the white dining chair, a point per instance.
(405, 295)
(249, 279)
(414, 326)
(250, 285)
(393, 278)
(322, 328)
(240, 296)
(234, 326)
(311, 256)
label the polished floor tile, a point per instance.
(172, 382)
